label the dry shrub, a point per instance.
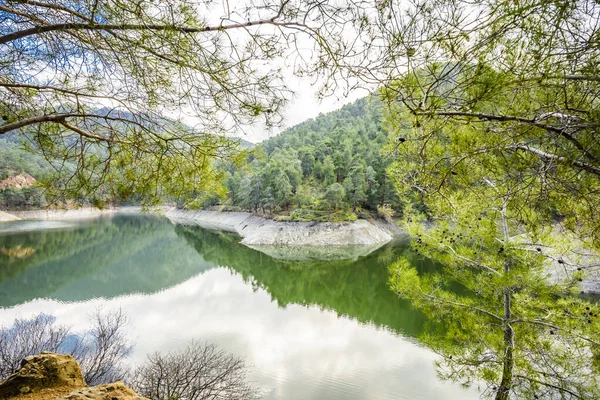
(199, 372)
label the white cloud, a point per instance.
(293, 353)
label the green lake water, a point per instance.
(306, 329)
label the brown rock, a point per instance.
(111, 391)
(44, 371)
(22, 180)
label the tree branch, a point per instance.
(125, 27)
(454, 303)
(579, 164)
(88, 135)
(508, 118)
(560, 389)
(491, 117)
(34, 120)
(60, 118)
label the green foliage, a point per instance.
(330, 163)
(308, 215)
(498, 172)
(478, 211)
(334, 195)
(92, 90)
(14, 160)
(22, 199)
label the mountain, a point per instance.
(245, 144)
(328, 167)
(16, 162)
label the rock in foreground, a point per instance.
(110, 391)
(51, 376)
(44, 371)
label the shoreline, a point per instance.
(253, 229)
(81, 213)
(294, 240)
(258, 231)
(278, 239)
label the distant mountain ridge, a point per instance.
(20, 168)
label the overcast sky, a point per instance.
(303, 106)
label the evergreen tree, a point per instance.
(335, 195)
(495, 140)
(329, 176)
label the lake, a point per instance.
(306, 329)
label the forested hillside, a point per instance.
(326, 168)
(15, 160)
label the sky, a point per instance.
(303, 106)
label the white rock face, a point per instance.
(71, 214)
(257, 231)
(5, 217)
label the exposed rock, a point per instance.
(287, 252)
(111, 391)
(259, 233)
(63, 215)
(82, 213)
(564, 261)
(51, 376)
(22, 180)
(562, 268)
(47, 370)
(5, 217)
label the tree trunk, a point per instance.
(503, 392)
(509, 343)
(383, 191)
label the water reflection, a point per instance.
(307, 329)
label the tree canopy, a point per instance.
(511, 86)
(497, 154)
(329, 167)
(101, 89)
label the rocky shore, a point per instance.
(288, 240)
(58, 214)
(257, 231)
(6, 217)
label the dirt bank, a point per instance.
(79, 213)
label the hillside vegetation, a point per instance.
(327, 168)
(15, 160)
